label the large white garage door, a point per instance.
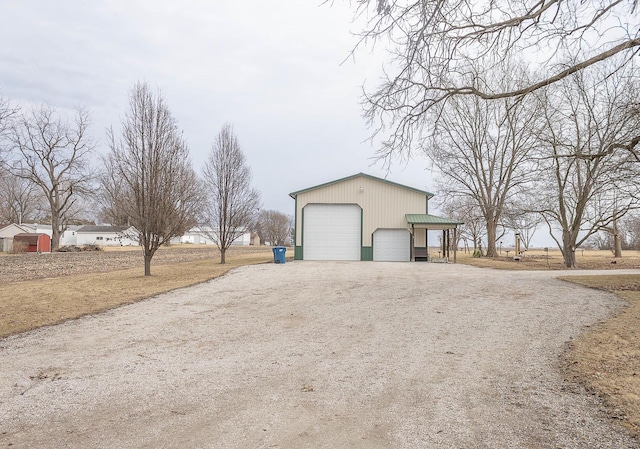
(331, 232)
(392, 245)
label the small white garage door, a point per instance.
(331, 232)
(393, 245)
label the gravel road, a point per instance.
(316, 355)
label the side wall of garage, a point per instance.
(383, 204)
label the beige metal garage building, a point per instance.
(362, 217)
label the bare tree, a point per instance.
(522, 221)
(148, 174)
(274, 227)
(584, 186)
(20, 199)
(233, 204)
(7, 113)
(482, 149)
(465, 210)
(112, 206)
(54, 155)
(433, 44)
(631, 231)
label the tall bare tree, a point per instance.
(112, 206)
(274, 227)
(55, 156)
(233, 204)
(148, 173)
(7, 113)
(20, 199)
(584, 185)
(483, 151)
(432, 44)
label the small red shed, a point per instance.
(34, 242)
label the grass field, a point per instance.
(30, 304)
(607, 359)
(539, 259)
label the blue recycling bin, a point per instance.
(279, 253)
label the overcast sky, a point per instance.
(272, 69)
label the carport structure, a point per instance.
(362, 217)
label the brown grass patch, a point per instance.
(607, 359)
(552, 260)
(30, 304)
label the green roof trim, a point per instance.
(430, 219)
(424, 192)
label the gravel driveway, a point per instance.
(316, 355)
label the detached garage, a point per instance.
(362, 217)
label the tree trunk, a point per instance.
(491, 239)
(223, 258)
(617, 245)
(568, 250)
(147, 265)
(55, 233)
(617, 238)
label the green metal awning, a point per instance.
(424, 220)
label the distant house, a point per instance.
(68, 237)
(198, 235)
(107, 235)
(7, 233)
(202, 235)
(10, 230)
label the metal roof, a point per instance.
(424, 192)
(103, 228)
(427, 219)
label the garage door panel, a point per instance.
(332, 232)
(392, 245)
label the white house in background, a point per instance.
(107, 235)
(6, 235)
(67, 238)
(201, 235)
(196, 236)
(8, 231)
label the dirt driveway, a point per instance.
(316, 355)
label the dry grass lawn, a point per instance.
(41, 302)
(552, 260)
(607, 359)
